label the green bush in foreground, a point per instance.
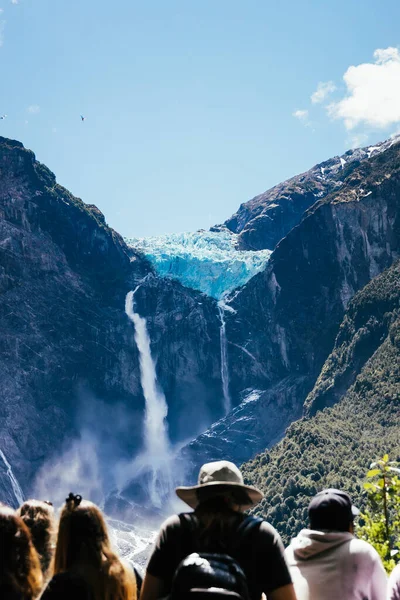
(381, 526)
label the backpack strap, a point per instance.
(246, 528)
(188, 526)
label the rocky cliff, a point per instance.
(334, 447)
(68, 357)
(283, 322)
(266, 219)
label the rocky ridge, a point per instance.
(283, 323)
(263, 221)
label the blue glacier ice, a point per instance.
(204, 260)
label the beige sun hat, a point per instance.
(219, 477)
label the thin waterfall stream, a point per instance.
(18, 493)
(224, 358)
(157, 451)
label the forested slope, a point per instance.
(334, 446)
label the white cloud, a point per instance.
(1, 11)
(382, 55)
(14, 1)
(373, 92)
(357, 140)
(302, 115)
(323, 91)
(33, 109)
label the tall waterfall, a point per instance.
(157, 448)
(19, 496)
(224, 358)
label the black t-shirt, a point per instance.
(67, 586)
(260, 554)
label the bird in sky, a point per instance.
(2, 117)
(82, 118)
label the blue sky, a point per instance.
(193, 107)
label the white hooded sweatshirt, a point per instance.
(394, 584)
(331, 565)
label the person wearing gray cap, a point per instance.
(327, 562)
(216, 527)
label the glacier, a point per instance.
(207, 261)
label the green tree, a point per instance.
(381, 519)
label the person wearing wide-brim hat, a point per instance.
(219, 500)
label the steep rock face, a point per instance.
(266, 219)
(68, 359)
(286, 319)
(60, 280)
(365, 326)
(282, 324)
(334, 447)
(257, 421)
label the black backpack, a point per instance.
(209, 576)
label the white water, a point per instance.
(133, 542)
(224, 358)
(157, 453)
(18, 493)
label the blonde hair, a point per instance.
(20, 572)
(38, 516)
(83, 546)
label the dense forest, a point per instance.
(333, 447)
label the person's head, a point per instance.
(220, 484)
(332, 510)
(83, 546)
(38, 516)
(20, 573)
(82, 534)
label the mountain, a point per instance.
(332, 446)
(68, 359)
(88, 373)
(266, 219)
(282, 324)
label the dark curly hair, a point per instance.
(20, 573)
(38, 516)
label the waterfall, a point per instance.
(157, 448)
(19, 496)
(224, 357)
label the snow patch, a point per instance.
(252, 397)
(371, 150)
